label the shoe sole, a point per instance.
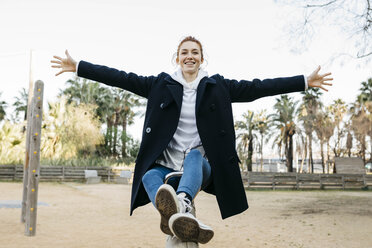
(164, 227)
(166, 204)
(188, 230)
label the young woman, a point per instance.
(189, 126)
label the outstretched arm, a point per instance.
(319, 80)
(67, 64)
(246, 91)
(128, 81)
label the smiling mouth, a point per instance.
(189, 63)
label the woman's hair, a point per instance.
(193, 39)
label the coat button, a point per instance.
(222, 132)
(148, 130)
(212, 107)
(162, 105)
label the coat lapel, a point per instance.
(176, 90)
(201, 89)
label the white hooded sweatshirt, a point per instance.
(186, 136)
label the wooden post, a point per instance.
(28, 129)
(34, 158)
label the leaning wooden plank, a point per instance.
(34, 159)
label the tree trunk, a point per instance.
(311, 162)
(304, 155)
(108, 136)
(370, 157)
(364, 148)
(124, 138)
(337, 149)
(116, 124)
(334, 164)
(250, 153)
(289, 153)
(328, 155)
(261, 152)
(322, 154)
(349, 144)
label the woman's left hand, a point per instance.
(318, 80)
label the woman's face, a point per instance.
(189, 57)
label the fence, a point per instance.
(306, 181)
(251, 179)
(58, 173)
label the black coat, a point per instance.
(214, 121)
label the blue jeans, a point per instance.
(196, 176)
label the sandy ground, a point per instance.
(81, 215)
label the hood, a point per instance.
(177, 75)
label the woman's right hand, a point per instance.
(67, 65)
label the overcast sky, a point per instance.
(242, 40)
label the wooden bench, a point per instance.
(91, 177)
(124, 178)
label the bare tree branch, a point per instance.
(352, 18)
(320, 5)
(364, 55)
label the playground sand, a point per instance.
(91, 216)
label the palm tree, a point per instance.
(246, 136)
(349, 141)
(3, 105)
(301, 147)
(321, 132)
(328, 129)
(21, 103)
(88, 92)
(307, 115)
(284, 121)
(361, 116)
(365, 98)
(130, 101)
(69, 130)
(360, 124)
(114, 107)
(263, 127)
(80, 91)
(338, 110)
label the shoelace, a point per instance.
(186, 203)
